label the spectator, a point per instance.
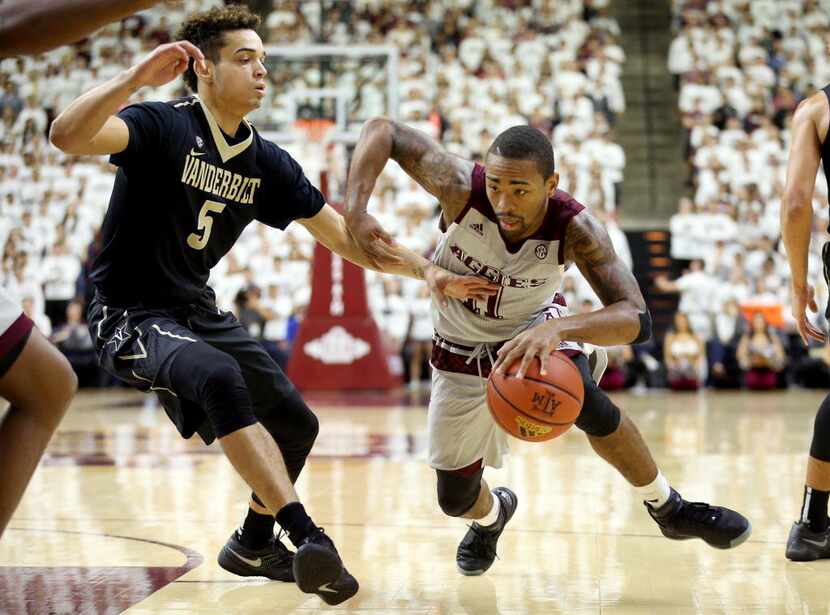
(722, 348)
(684, 356)
(761, 355)
(419, 340)
(73, 340)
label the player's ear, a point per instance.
(551, 183)
(204, 70)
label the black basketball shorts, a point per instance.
(137, 345)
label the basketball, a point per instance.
(537, 408)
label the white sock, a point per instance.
(491, 517)
(657, 492)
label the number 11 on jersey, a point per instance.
(493, 304)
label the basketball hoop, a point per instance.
(315, 129)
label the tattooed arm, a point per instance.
(624, 319)
(443, 175)
(329, 228)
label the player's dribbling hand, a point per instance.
(539, 341)
(444, 284)
(165, 63)
(375, 242)
(804, 297)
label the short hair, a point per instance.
(206, 31)
(526, 143)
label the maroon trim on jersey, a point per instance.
(449, 361)
(562, 207)
(13, 340)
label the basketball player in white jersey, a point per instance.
(35, 378)
(507, 221)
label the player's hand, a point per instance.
(539, 341)
(444, 284)
(165, 63)
(375, 242)
(804, 297)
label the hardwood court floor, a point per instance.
(123, 516)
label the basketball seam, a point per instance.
(556, 386)
(525, 414)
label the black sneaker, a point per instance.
(319, 570)
(477, 550)
(272, 561)
(717, 526)
(805, 545)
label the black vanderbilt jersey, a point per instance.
(183, 193)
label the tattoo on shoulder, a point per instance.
(443, 175)
(588, 245)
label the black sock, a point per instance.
(814, 509)
(294, 520)
(257, 530)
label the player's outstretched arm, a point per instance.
(443, 175)
(89, 125)
(624, 319)
(35, 26)
(329, 228)
(809, 125)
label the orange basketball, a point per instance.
(537, 408)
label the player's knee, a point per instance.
(290, 421)
(68, 383)
(457, 493)
(223, 394)
(820, 446)
(599, 416)
(61, 384)
(305, 425)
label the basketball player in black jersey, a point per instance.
(810, 536)
(192, 174)
(516, 192)
(35, 378)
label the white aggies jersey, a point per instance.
(529, 275)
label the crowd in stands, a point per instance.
(741, 68)
(468, 69)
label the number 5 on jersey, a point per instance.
(205, 224)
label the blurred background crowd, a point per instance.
(467, 70)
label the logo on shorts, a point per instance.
(119, 338)
(541, 251)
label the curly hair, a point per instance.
(206, 31)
